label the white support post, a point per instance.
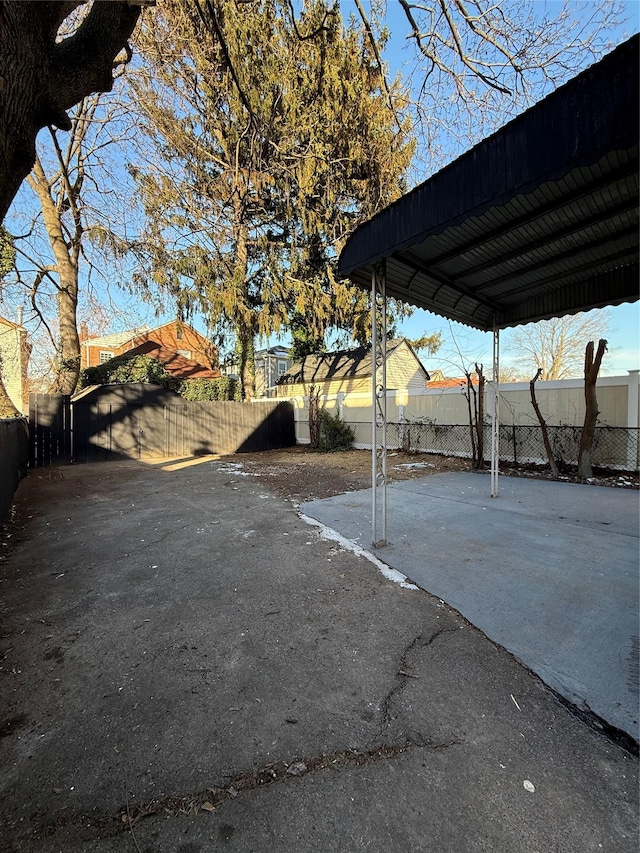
(632, 420)
(379, 406)
(495, 418)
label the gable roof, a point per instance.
(117, 339)
(175, 364)
(11, 324)
(280, 351)
(344, 364)
(460, 381)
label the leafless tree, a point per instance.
(71, 226)
(477, 63)
(556, 347)
(553, 465)
(473, 391)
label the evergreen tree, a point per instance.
(276, 142)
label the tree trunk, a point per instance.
(471, 409)
(67, 366)
(246, 363)
(68, 357)
(314, 416)
(40, 78)
(591, 370)
(245, 331)
(543, 425)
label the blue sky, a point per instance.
(624, 328)
(623, 352)
(624, 332)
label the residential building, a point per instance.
(350, 371)
(165, 342)
(15, 350)
(270, 365)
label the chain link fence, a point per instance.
(613, 447)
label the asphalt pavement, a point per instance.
(188, 665)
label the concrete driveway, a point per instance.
(186, 665)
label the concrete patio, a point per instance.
(548, 570)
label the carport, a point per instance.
(537, 221)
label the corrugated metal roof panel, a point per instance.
(543, 214)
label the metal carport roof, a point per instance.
(538, 220)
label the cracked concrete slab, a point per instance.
(173, 642)
(549, 570)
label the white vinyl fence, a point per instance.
(437, 421)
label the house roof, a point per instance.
(12, 325)
(277, 350)
(345, 364)
(537, 221)
(175, 364)
(117, 339)
(441, 384)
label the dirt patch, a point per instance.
(301, 474)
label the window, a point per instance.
(185, 353)
(105, 355)
(282, 367)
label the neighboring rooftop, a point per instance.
(117, 339)
(175, 364)
(344, 364)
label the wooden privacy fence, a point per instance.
(13, 459)
(102, 428)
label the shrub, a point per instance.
(123, 368)
(335, 434)
(223, 388)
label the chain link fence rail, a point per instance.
(613, 447)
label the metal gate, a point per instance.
(49, 429)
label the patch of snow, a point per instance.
(358, 550)
(236, 468)
(415, 465)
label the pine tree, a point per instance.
(277, 141)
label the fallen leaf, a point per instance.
(208, 807)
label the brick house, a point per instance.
(184, 351)
(15, 350)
